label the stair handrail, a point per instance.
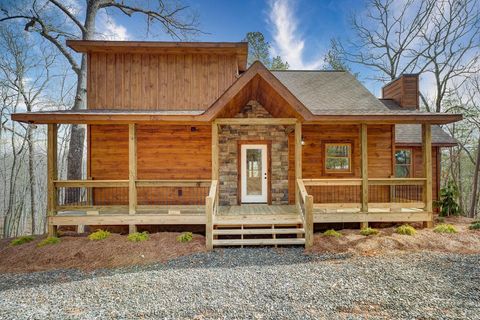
(211, 209)
(305, 209)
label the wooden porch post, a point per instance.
(364, 165)
(52, 176)
(132, 173)
(427, 169)
(298, 158)
(214, 150)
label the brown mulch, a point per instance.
(464, 242)
(78, 252)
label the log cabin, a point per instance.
(186, 134)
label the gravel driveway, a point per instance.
(256, 283)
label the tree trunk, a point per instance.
(473, 205)
(77, 132)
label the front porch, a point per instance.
(137, 201)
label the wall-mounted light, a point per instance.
(303, 141)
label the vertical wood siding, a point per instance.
(158, 81)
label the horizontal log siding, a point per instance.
(164, 153)
(315, 136)
(158, 81)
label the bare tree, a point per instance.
(55, 21)
(24, 77)
(386, 35)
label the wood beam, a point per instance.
(427, 169)
(364, 166)
(256, 121)
(132, 169)
(52, 173)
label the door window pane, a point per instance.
(254, 171)
(403, 163)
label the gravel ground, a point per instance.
(255, 283)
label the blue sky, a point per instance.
(298, 30)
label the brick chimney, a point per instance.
(403, 90)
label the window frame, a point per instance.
(326, 144)
(411, 167)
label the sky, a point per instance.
(298, 30)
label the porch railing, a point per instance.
(114, 194)
(211, 210)
(304, 205)
(384, 194)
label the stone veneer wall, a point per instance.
(229, 135)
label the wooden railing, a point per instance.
(391, 194)
(211, 209)
(103, 194)
(305, 209)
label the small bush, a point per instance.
(185, 237)
(368, 231)
(475, 225)
(445, 228)
(332, 233)
(48, 241)
(99, 235)
(21, 240)
(406, 230)
(138, 236)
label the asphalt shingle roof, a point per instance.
(340, 93)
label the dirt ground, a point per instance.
(77, 251)
(387, 241)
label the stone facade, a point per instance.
(229, 135)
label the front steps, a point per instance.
(262, 231)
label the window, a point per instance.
(338, 157)
(403, 163)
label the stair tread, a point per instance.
(257, 242)
(258, 231)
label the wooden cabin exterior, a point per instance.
(186, 134)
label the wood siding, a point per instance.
(164, 153)
(403, 90)
(313, 167)
(157, 81)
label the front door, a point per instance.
(254, 173)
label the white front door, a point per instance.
(254, 173)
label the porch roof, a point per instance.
(313, 97)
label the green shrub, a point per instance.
(332, 233)
(99, 235)
(475, 225)
(21, 240)
(368, 231)
(448, 203)
(445, 228)
(406, 230)
(185, 237)
(138, 236)
(48, 241)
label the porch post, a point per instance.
(132, 173)
(364, 167)
(52, 176)
(427, 169)
(298, 158)
(214, 150)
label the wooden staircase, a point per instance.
(255, 230)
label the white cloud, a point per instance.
(288, 41)
(109, 29)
